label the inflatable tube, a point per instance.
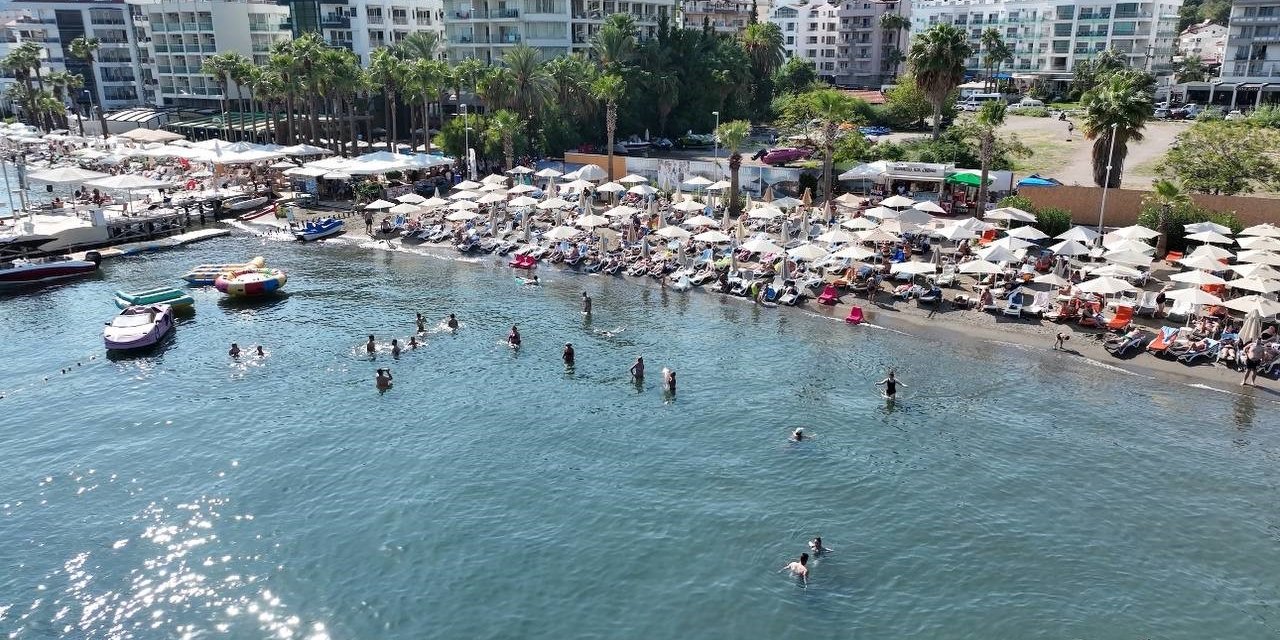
(250, 282)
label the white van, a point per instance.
(974, 102)
(1030, 102)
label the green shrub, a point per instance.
(1268, 115)
(367, 191)
(1053, 220)
(1032, 112)
(1210, 114)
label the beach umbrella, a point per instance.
(464, 195)
(914, 268)
(467, 185)
(1197, 277)
(411, 198)
(851, 201)
(954, 233)
(461, 216)
(576, 185)
(632, 179)
(491, 198)
(65, 175)
(700, 221)
(642, 190)
(1011, 243)
(284, 164)
(126, 182)
(1258, 243)
(522, 201)
(973, 224)
(719, 185)
(673, 233)
(1115, 271)
(521, 188)
(1259, 257)
(897, 202)
(1069, 248)
(592, 220)
(621, 211)
(548, 173)
(786, 202)
(1255, 284)
(1052, 279)
(1251, 329)
(1134, 232)
(592, 172)
(1210, 237)
(880, 212)
(997, 254)
(1083, 235)
(494, 178)
(697, 181)
(519, 171)
(1105, 285)
(428, 203)
(809, 252)
(859, 224)
(898, 227)
(762, 244)
(689, 205)
(554, 203)
(1009, 213)
(740, 231)
(914, 216)
(563, 233)
(1197, 227)
(1028, 233)
(1265, 307)
(836, 235)
(1265, 229)
(854, 252)
(336, 175)
(491, 187)
(1193, 295)
(1249, 270)
(611, 187)
(1131, 258)
(1121, 244)
(463, 205)
(877, 235)
(928, 207)
(379, 204)
(1202, 262)
(982, 267)
(764, 212)
(644, 247)
(713, 236)
(404, 209)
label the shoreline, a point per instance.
(951, 325)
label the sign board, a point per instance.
(917, 171)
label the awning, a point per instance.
(1036, 180)
(135, 115)
(966, 179)
(247, 121)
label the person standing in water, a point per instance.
(637, 369)
(422, 324)
(669, 380)
(413, 342)
(234, 352)
(890, 386)
(568, 354)
(586, 304)
(260, 353)
(799, 568)
(370, 347)
(395, 348)
(383, 380)
(797, 435)
(815, 545)
(452, 323)
(513, 338)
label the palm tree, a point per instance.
(991, 41)
(84, 49)
(832, 109)
(1191, 69)
(572, 76)
(1117, 109)
(937, 61)
(763, 42)
(337, 69)
(22, 61)
(388, 71)
(74, 82)
(990, 118)
(420, 45)
(615, 42)
(1165, 195)
(502, 127)
(532, 85)
(732, 135)
(309, 50)
(893, 25)
(497, 88)
(284, 65)
(222, 67)
(609, 89)
(60, 82)
(426, 79)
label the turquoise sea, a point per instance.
(1012, 493)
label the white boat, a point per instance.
(317, 229)
(21, 272)
(236, 204)
(138, 327)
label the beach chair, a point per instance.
(1210, 351)
(948, 276)
(1171, 258)
(988, 237)
(1146, 304)
(855, 316)
(1040, 304)
(1163, 339)
(1121, 320)
(1014, 308)
(830, 295)
(1180, 309)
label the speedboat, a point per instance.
(240, 204)
(138, 327)
(21, 272)
(318, 229)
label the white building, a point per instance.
(724, 16)
(115, 78)
(866, 49)
(365, 25)
(843, 40)
(1250, 74)
(182, 34)
(1048, 38)
(486, 29)
(1208, 41)
(809, 31)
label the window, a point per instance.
(790, 26)
(811, 40)
(544, 6)
(791, 39)
(866, 22)
(811, 54)
(1066, 12)
(1062, 29)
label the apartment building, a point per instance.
(725, 16)
(182, 34)
(1206, 40)
(809, 32)
(363, 26)
(116, 76)
(844, 40)
(1250, 73)
(1048, 38)
(485, 29)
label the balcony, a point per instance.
(400, 21)
(178, 48)
(261, 48)
(1132, 15)
(372, 19)
(160, 48)
(1256, 69)
(1093, 18)
(333, 21)
(209, 48)
(286, 25)
(507, 38)
(164, 69)
(1246, 20)
(498, 14)
(265, 27)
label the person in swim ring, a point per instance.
(513, 338)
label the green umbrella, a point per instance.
(966, 179)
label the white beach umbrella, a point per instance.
(494, 178)
(463, 205)
(851, 201)
(1259, 257)
(1027, 233)
(1193, 295)
(955, 233)
(1083, 235)
(632, 179)
(1131, 258)
(1069, 248)
(1009, 213)
(1201, 262)
(1265, 229)
(522, 201)
(1210, 251)
(576, 185)
(697, 181)
(836, 235)
(1255, 284)
(997, 254)
(1123, 244)
(1259, 243)
(563, 233)
(1105, 285)
(611, 187)
(1197, 227)
(1250, 270)
(914, 268)
(700, 221)
(126, 182)
(1251, 329)
(673, 233)
(490, 187)
(1115, 271)
(467, 185)
(1134, 232)
(898, 227)
(1011, 243)
(520, 171)
(854, 252)
(1197, 277)
(928, 207)
(490, 198)
(641, 189)
(761, 244)
(880, 213)
(764, 212)
(1210, 237)
(379, 204)
(1265, 307)
(914, 216)
(983, 267)
(897, 202)
(713, 236)
(974, 224)
(430, 203)
(411, 198)
(877, 235)
(859, 224)
(554, 203)
(809, 252)
(591, 220)
(621, 211)
(521, 188)
(65, 175)
(690, 205)
(548, 173)
(592, 172)
(462, 216)
(405, 209)
(336, 175)
(1052, 279)
(719, 185)
(464, 195)
(786, 202)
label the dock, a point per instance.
(167, 242)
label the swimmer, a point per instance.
(234, 352)
(669, 380)
(799, 568)
(815, 545)
(422, 324)
(568, 354)
(586, 304)
(260, 353)
(513, 338)
(370, 347)
(890, 386)
(395, 347)
(413, 342)
(797, 435)
(533, 281)
(637, 369)
(384, 379)
(452, 323)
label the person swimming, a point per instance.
(797, 435)
(890, 386)
(260, 353)
(422, 324)
(452, 322)
(413, 342)
(799, 568)
(383, 380)
(637, 369)
(568, 354)
(513, 338)
(395, 347)
(669, 380)
(234, 352)
(815, 545)
(370, 347)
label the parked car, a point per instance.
(1235, 114)
(1162, 113)
(874, 131)
(1030, 102)
(785, 155)
(1191, 110)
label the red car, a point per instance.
(785, 155)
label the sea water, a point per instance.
(1011, 492)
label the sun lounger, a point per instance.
(1173, 257)
(1208, 352)
(947, 278)
(1121, 320)
(1122, 344)
(830, 295)
(855, 316)
(1147, 304)
(1014, 308)
(1181, 309)
(1040, 304)
(1163, 339)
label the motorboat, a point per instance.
(317, 229)
(138, 327)
(250, 282)
(241, 204)
(22, 272)
(203, 275)
(160, 295)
